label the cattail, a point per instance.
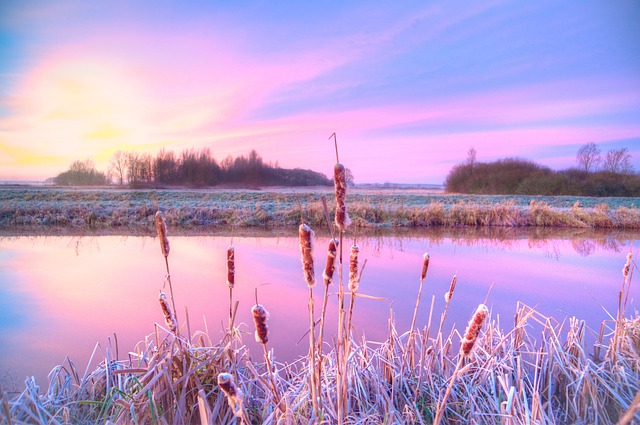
(354, 280)
(425, 266)
(627, 267)
(473, 330)
(330, 267)
(233, 393)
(342, 217)
(169, 317)
(161, 226)
(449, 294)
(306, 249)
(231, 267)
(260, 316)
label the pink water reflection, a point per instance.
(60, 296)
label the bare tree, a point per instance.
(618, 161)
(588, 157)
(472, 154)
(118, 166)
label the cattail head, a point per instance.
(260, 316)
(354, 279)
(425, 265)
(473, 330)
(340, 182)
(449, 294)
(306, 249)
(627, 266)
(161, 226)
(169, 317)
(231, 267)
(233, 393)
(329, 268)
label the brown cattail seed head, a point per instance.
(354, 279)
(169, 317)
(233, 393)
(339, 179)
(231, 267)
(449, 294)
(425, 266)
(473, 330)
(306, 249)
(330, 267)
(627, 267)
(161, 226)
(260, 316)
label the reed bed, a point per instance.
(537, 370)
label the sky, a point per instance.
(408, 87)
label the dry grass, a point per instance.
(43, 209)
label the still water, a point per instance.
(61, 296)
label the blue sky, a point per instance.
(408, 87)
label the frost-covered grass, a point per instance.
(273, 207)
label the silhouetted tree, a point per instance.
(118, 166)
(588, 157)
(618, 161)
(82, 173)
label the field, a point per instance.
(536, 370)
(47, 208)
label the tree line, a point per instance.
(595, 175)
(191, 167)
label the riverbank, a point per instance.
(42, 208)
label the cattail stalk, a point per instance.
(466, 345)
(169, 317)
(234, 395)
(306, 238)
(447, 298)
(622, 306)
(260, 317)
(327, 276)
(411, 340)
(231, 280)
(161, 227)
(340, 183)
(354, 282)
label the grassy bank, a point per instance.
(189, 209)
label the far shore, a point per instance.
(105, 210)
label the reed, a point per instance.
(411, 339)
(169, 316)
(161, 228)
(327, 276)
(306, 239)
(466, 345)
(231, 280)
(260, 317)
(234, 395)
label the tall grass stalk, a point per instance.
(411, 338)
(306, 239)
(161, 227)
(466, 345)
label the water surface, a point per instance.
(62, 295)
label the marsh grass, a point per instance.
(86, 209)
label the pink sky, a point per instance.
(407, 89)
